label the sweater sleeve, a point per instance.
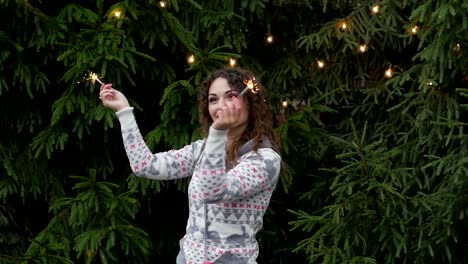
(168, 165)
(255, 172)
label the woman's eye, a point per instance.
(230, 95)
(212, 100)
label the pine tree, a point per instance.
(369, 99)
(395, 193)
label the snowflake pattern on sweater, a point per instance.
(226, 208)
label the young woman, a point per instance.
(233, 170)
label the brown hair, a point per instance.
(260, 120)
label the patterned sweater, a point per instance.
(226, 208)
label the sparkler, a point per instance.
(93, 77)
(252, 85)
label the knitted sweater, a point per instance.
(226, 208)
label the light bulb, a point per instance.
(117, 13)
(414, 29)
(389, 73)
(284, 104)
(162, 4)
(343, 25)
(320, 64)
(375, 9)
(269, 39)
(232, 62)
(191, 59)
(363, 48)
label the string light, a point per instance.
(117, 13)
(232, 62)
(162, 4)
(343, 25)
(375, 9)
(362, 48)
(457, 47)
(191, 59)
(320, 64)
(414, 30)
(284, 104)
(269, 39)
(389, 73)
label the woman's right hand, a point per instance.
(112, 98)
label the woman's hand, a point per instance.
(229, 116)
(112, 98)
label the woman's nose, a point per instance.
(222, 102)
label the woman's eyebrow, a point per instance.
(227, 92)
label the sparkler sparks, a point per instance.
(252, 85)
(93, 77)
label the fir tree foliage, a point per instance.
(90, 225)
(395, 181)
(375, 167)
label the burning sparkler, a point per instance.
(93, 77)
(252, 85)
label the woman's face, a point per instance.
(221, 99)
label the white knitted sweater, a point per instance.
(226, 208)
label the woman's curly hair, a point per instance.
(260, 120)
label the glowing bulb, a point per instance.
(414, 29)
(191, 59)
(162, 4)
(117, 13)
(430, 83)
(457, 47)
(284, 104)
(363, 48)
(232, 62)
(389, 73)
(320, 64)
(343, 25)
(375, 9)
(269, 39)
